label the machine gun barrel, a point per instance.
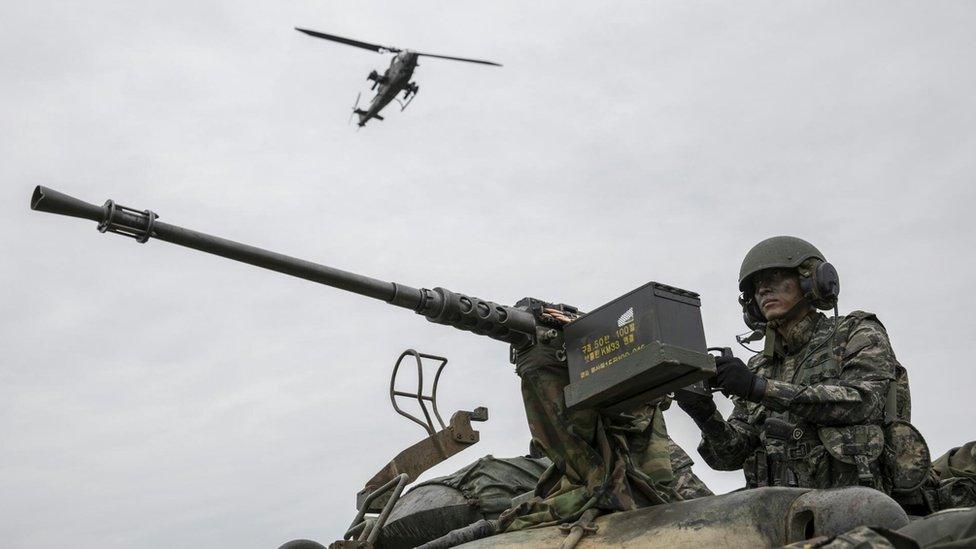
(438, 305)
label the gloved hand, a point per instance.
(699, 407)
(560, 318)
(735, 378)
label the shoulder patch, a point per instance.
(863, 335)
(861, 316)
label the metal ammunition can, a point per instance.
(636, 348)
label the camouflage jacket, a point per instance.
(819, 424)
(614, 462)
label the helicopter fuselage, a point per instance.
(395, 80)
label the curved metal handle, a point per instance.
(428, 425)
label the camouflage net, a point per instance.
(953, 481)
(490, 483)
(612, 463)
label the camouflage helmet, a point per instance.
(785, 252)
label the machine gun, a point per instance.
(636, 348)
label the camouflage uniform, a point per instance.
(613, 463)
(955, 529)
(820, 423)
(951, 482)
(862, 537)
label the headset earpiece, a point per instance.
(751, 314)
(819, 283)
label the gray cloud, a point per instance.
(155, 397)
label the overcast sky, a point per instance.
(153, 396)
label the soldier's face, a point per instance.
(777, 292)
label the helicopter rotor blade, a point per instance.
(349, 41)
(460, 59)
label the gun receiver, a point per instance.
(641, 346)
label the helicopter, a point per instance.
(395, 79)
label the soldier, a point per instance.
(600, 462)
(811, 409)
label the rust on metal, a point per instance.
(439, 444)
(423, 455)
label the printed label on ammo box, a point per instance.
(607, 349)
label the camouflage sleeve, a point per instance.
(686, 482)
(856, 396)
(725, 445)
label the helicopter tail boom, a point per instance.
(364, 116)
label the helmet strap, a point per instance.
(773, 326)
(769, 346)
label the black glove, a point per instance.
(735, 378)
(699, 407)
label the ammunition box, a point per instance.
(636, 348)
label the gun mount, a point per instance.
(439, 445)
(382, 492)
(639, 347)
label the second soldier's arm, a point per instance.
(856, 396)
(725, 445)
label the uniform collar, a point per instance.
(800, 333)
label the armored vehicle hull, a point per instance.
(764, 517)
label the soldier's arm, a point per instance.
(725, 445)
(686, 483)
(857, 396)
